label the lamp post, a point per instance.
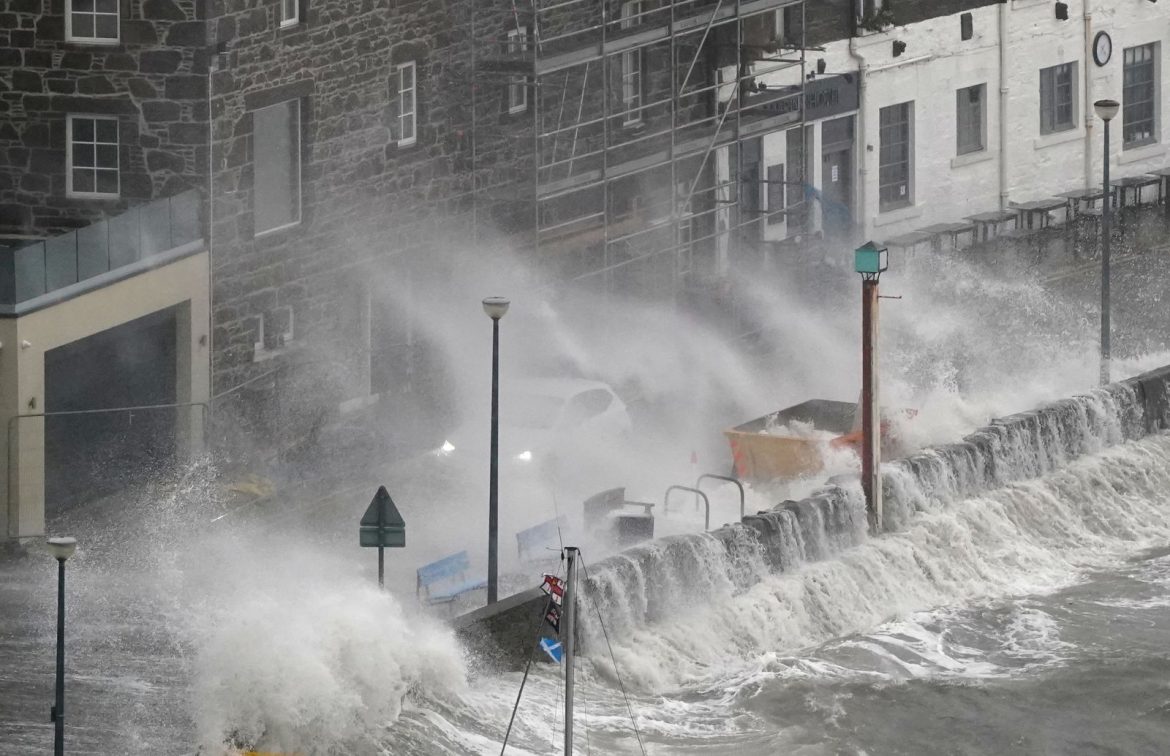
(496, 308)
(61, 549)
(1106, 110)
(870, 260)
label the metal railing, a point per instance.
(137, 234)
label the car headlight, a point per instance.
(446, 448)
(524, 456)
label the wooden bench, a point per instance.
(445, 580)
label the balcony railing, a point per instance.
(134, 236)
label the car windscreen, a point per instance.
(534, 411)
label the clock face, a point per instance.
(1102, 48)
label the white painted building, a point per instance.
(1004, 115)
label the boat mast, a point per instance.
(570, 633)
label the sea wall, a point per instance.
(644, 583)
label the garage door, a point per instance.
(88, 456)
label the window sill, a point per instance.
(971, 158)
(92, 42)
(403, 143)
(1145, 152)
(1060, 137)
(276, 230)
(890, 217)
(263, 354)
(292, 24)
(517, 110)
(93, 196)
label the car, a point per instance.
(546, 422)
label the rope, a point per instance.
(617, 673)
(527, 669)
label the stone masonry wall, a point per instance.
(153, 81)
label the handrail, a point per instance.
(703, 496)
(729, 479)
(12, 424)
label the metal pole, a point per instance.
(1106, 244)
(58, 713)
(381, 540)
(493, 494)
(870, 414)
(570, 637)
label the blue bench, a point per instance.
(445, 580)
(533, 542)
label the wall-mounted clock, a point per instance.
(1102, 48)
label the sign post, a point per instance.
(382, 526)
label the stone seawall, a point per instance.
(640, 584)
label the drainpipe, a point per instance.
(862, 144)
(1089, 100)
(1002, 10)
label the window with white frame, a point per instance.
(290, 13)
(92, 155)
(276, 146)
(631, 71)
(897, 147)
(970, 119)
(407, 104)
(91, 21)
(1139, 115)
(518, 85)
(1058, 98)
(869, 8)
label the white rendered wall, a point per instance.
(936, 62)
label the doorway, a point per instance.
(837, 177)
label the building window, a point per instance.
(407, 104)
(867, 9)
(276, 140)
(91, 21)
(518, 86)
(631, 68)
(894, 187)
(93, 157)
(969, 119)
(1139, 114)
(1058, 98)
(290, 13)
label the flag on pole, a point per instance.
(553, 649)
(553, 618)
(555, 587)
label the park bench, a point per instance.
(445, 580)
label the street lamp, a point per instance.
(870, 261)
(61, 549)
(496, 308)
(1106, 111)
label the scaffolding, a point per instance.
(620, 140)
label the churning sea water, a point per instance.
(1031, 617)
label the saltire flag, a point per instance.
(553, 618)
(555, 587)
(553, 649)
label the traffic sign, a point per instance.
(382, 525)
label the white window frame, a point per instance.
(518, 85)
(1074, 101)
(69, 141)
(295, 173)
(868, 8)
(906, 200)
(287, 20)
(631, 69)
(980, 122)
(1127, 102)
(92, 40)
(407, 94)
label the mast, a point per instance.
(570, 633)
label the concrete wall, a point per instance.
(182, 283)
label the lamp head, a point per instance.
(1106, 109)
(61, 547)
(496, 307)
(870, 260)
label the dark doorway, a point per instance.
(837, 176)
(88, 456)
